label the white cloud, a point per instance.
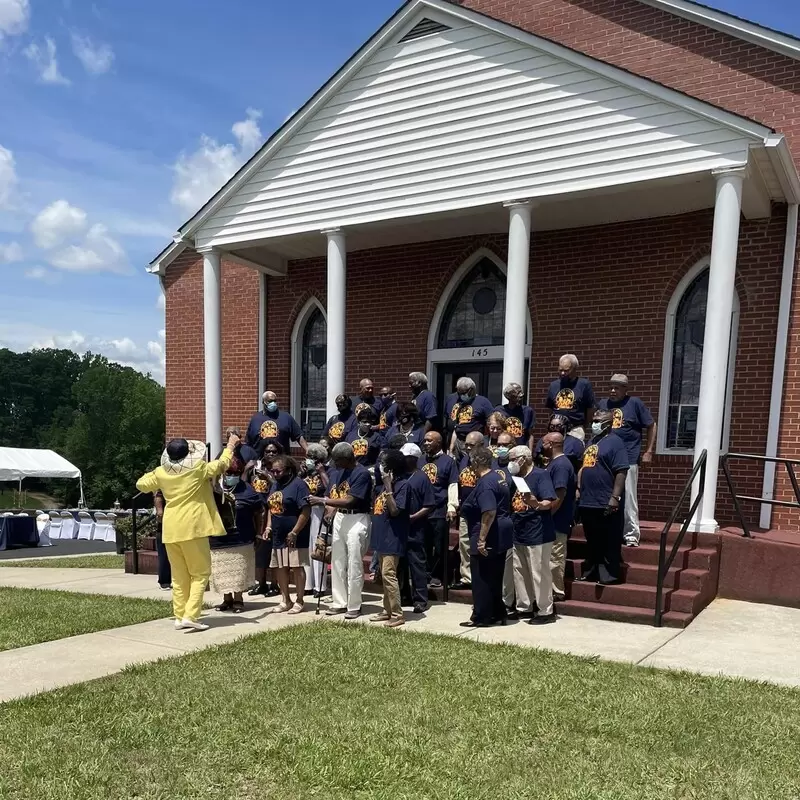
(8, 176)
(57, 223)
(42, 274)
(10, 252)
(45, 60)
(155, 349)
(125, 347)
(200, 174)
(162, 334)
(14, 16)
(67, 341)
(99, 252)
(96, 58)
(161, 302)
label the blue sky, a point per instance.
(118, 119)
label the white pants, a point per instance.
(317, 572)
(631, 529)
(533, 579)
(348, 548)
(508, 579)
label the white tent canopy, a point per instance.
(17, 463)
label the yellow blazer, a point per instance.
(191, 512)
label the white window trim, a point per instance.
(666, 364)
(298, 330)
(492, 353)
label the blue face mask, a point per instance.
(502, 452)
(597, 428)
(311, 465)
(465, 398)
(230, 481)
(272, 407)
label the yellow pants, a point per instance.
(191, 568)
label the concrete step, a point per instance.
(629, 594)
(641, 616)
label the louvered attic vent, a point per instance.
(424, 27)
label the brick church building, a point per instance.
(612, 178)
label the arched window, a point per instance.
(310, 355)
(475, 315)
(680, 388)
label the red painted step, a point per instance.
(642, 616)
(647, 575)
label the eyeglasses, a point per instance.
(385, 394)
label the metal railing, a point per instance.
(789, 463)
(664, 561)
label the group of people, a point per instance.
(394, 477)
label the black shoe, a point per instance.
(165, 586)
(460, 585)
(610, 581)
(259, 588)
(543, 620)
(434, 583)
(587, 576)
(420, 608)
(309, 592)
(559, 598)
(472, 624)
(272, 591)
(237, 607)
(226, 606)
(318, 594)
(512, 613)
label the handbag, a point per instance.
(322, 546)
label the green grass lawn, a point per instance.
(101, 561)
(9, 499)
(335, 711)
(30, 616)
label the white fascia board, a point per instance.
(160, 263)
(782, 162)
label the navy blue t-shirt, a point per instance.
(356, 482)
(338, 426)
(601, 460)
(441, 472)
(573, 450)
(420, 495)
(285, 504)
(468, 417)
(533, 527)
(519, 421)
(631, 417)
(490, 494)
(416, 435)
(315, 485)
(365, 448)
(248, 503)
(467, 479)
(449, 402)
(389, 535)
(571, 399)
(388, 416)
(280, 425)
(425, 402)
(562, 474)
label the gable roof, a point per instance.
(400, 24)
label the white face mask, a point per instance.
(513, 467)
(597, 428)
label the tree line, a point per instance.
(108, 420)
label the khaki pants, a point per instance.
(391, 587)
(558, 560)
(463, 551)
(191, 568)
(349, 545)
(533, 579)
(508, 579)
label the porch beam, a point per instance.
(212, 348)
(717, 338)
(336, 316)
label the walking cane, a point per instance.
(326, 537)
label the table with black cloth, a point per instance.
(18, 532)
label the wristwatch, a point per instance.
(617, 497)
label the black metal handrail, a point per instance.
(789, 463)
(665, 562)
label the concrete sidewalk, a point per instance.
(729, 638)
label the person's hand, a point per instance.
(387, 481)
(612, 506)
(313, 500)
(531, 501)
(233, 440)
(266, 534)
(451, 516)
(647, 458)
(328, 516)
(291, 539)
(482, 548)
(321, 470)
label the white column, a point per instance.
(212, 349)
(717, 338)
(336, 313)
(519, 248)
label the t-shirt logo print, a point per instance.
(454, 412)
(314, 483)
(340, 490)
(518, 504)
(565, 400)
(618, 417)
(514, 427)
(432, 471)
(276, 503)
(260, 485)
(590, 456)
(269, 429)
(360, 447)
(467, 478)
(465, 415)
(336, 430)
(379, 506)
(362, 407)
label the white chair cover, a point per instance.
(103, 532)
(69, 526)
(111, 533)
(43, 526)
(85, 525)
(21, 514)
(55, 525)
(7, 514)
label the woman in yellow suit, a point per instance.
(190, 517)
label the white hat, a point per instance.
(410, 449)
(196, 454)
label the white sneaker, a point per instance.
(631, 541)
(178, 624)
(192, 625)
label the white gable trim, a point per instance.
(446, 13)
(735, 26)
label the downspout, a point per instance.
(262, 336)
(779, 365)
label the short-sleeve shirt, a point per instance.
(571, 399)
(388, 416)
(490, 494)
(248, 503)
(337, 427)
(602, 459)
(420, 495)
(573, 450)
(359, 404)
(425, 402)
(280, 425)
(519, 421)
(415, 436)
(389, 536)
(562, 474)
(631, 416)
(440, 472)
(316, 488)
(365, 448)
(449, 402)
(472, 416)
(285, 504)
(467, 480)
(533, 527)
(356, 482)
